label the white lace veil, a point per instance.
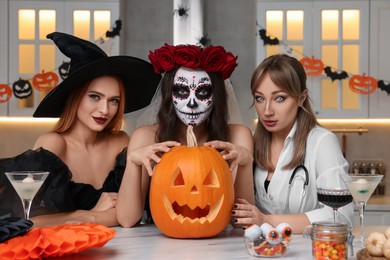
(149, 116)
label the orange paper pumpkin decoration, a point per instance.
(54, 241)
(362, 84)
(191, 192)
(313, 67)
(45, 81)
(5, 93)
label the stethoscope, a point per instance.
(298, 209)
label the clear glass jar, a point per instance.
(330, 240)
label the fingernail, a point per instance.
(235, 221)
(233, 212)
(235, 206)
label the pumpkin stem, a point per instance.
(191, 138)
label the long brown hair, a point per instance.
(217, 122)
(72, 104)
(288, 74)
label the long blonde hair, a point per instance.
(73, 101)
(288, 74)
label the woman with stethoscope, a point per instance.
(293, 154)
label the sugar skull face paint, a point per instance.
(192, 95)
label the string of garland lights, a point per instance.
(47, 80)
(360, 84)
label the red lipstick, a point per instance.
(100, 120)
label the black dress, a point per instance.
(58, 193)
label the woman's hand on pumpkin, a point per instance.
(149, 155)
(106, 201)
(244, 214)
(235, 154)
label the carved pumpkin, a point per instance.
(5, 93)
(45, 81)
(313, 67)
(362, 84)
(22, 88)
(191, 192)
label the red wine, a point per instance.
(335, 201)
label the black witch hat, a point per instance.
(87, 62)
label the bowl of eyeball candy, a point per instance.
(266, 240)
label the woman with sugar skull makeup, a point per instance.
(191, 92)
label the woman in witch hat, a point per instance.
(86, 151)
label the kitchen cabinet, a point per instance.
(377, 211)
(30, 53)
(337, 33)
(379, 101)
(3, 55)
(373, 218)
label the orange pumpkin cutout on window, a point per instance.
(313, 67)
(5, 93)
(191, 192)
(45, 81)
(363, 84)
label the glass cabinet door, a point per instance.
(34, 58)
(335, 32)
(341, 40)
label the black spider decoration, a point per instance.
(204, 41)
(182, 11)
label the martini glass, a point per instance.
(26, 185)
(361, 187)
(334, 198)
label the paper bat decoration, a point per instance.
(335, 75)
(383, 86)
(266, 39)
(116, 30)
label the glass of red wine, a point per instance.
(334, 198)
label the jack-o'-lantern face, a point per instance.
(5, 93)
(191, 193)
(22, 89)
(363, 84)
(45, 81)
(313, 67)
(63, 70)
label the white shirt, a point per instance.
(324, 162)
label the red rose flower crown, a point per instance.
(211, 59)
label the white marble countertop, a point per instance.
(147, 242)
